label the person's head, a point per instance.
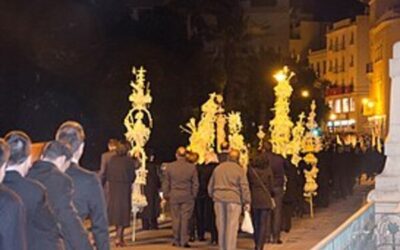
(234, 155)
(72, 132)
(20, 151)
(211, 157)
(4, 155)
(112, 144)
(192, 157)
(180, 152)
(260, 161)
(122, 148)
(267, 146)
(224, 147)
(58, 153)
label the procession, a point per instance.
(216, 187)
(204, 124)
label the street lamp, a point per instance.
(305, 93)
(333, 117)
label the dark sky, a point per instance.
(331, 10)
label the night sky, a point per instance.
(71, 59)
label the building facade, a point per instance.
(343, 64)
(384, 32)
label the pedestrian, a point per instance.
(260, 181)
(277, 164)
(180, 186)
(12, 210)
(152, 192)
(88, 196)
(42, 229)
(120, 175)
(105, 158)
(229, 189)
(50, 172)
(205, 215)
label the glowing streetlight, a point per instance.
(305, 93)
(370, 104)
(333, 117)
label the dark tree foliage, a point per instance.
(72, 59)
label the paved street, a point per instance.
(306, 232)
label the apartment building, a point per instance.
(343, 64)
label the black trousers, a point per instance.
(203, 219)
(259, 218)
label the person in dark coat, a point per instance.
(261, 187)
(42, 229)
(323, 178)
(151, 190)
(88, 196)
(205, 215)
(290, 198)
(120, 174)
(180, 186)
(277, 164)
(49, 171)
(105, 158)
(12, 211)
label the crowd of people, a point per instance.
(45, 204)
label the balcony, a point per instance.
(339, 90)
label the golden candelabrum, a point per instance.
(138, 123)
(202, 134)
(281, 125)
(209, 133)
(236, 139)
(311, 145)
(297, 138)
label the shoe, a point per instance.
(202, 239)
(187, 246)
(174, 244)
(278, 242)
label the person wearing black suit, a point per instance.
(205, 215)
(88, 196)
(49, 171)
(277, 164)
(42, 229)
(151, 191)
(12, 211)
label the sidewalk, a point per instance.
(305, 233)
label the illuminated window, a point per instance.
(345, 105)
(330, 104)
(352, 105)
(338, 106)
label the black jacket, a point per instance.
(60, 189)
(258, 179)
(12, 220)
(42, 229)
(90, 203)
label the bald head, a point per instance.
(234, 155)
(181, 152)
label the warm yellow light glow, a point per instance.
(371, 104)
(333, 117)
(305, 93)
(365, 101)
(280, 76)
